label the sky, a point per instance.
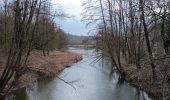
(71, 25)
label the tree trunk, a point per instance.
(147, 39)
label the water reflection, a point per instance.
(91, 82)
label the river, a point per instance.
(88, 79)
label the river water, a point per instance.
(88, 79)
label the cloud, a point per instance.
(75, 2)
(73, 8)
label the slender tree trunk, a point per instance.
(107, 41)
(147, 38)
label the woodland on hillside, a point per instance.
(135, 35)
(26, 25)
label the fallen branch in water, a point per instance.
(69, 83)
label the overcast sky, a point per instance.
(72, 25)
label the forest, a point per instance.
(25, 26)
(135, 35)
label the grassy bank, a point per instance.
(39, 66)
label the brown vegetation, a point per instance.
(142, 78)
(83, 46)
(40, 66)
(135, 35)
(26, 25)
(52, 64)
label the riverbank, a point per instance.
(87, 80)
(54, 63)
(83, 46)
(142, 78)
(40, 66)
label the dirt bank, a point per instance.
(40, 66)
(142, 78)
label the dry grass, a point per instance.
(52, 64)
(46, 66)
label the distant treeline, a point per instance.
(77, 40)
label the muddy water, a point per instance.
(88, 79)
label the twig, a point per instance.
(69, 83)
